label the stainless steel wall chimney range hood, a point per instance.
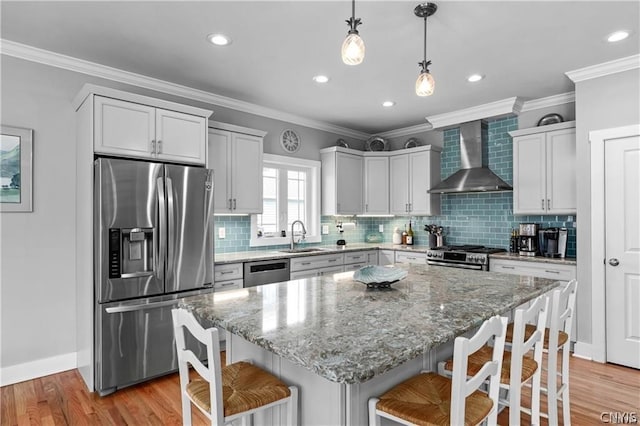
(474, 176)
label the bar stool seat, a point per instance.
(530, 329)
(244, 387)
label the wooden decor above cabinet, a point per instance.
(378, 183)
(544, 170)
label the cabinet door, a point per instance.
(386, 257)
(349, 197)
(372, 257)
(246, 172)
(419, 184)
(376, 182)
(561, 172)
(219, 159)
(399, 184)
(529, 188)
(180, 137)
(123, 128)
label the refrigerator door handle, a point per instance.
(140, 307)
(161, 246)
(171, 226)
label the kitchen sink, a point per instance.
(302, 250)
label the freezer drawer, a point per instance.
(135, 341)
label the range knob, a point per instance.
(428, 254)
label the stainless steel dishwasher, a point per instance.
(266, 272)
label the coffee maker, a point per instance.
(552, 242)
(528, 239)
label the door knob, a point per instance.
(614, 262)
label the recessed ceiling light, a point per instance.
(474, 77)
(219, 39)
(320, 78)
(617, 36)
(388, 104)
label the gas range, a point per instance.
(462, 256)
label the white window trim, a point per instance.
(313, 227)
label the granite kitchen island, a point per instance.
(341, 343)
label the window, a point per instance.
(291, 191)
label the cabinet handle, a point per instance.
(230, 205)
(410, 206)
(366, 207)
(548, 204)
(305, 263)
(226, 272)
(508, 267)
(159, 147)
(542, 205)
(234, 203)
(153, 146)
(332, 260)
(552, 272)
(227, 284)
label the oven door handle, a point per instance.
(455, 265)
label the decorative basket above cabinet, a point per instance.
(544, 169)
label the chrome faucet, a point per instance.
(304, 232)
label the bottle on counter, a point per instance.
(410, 235)
(404, 235)
(397, 236)
(513, 243)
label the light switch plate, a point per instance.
(325, 229)
(222, 233)
(380, 228)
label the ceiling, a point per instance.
(523, 48)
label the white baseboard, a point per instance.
(583, 350)
(39, 368)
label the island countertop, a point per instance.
(346, 333)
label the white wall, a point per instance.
(601, 103)
(37, 278)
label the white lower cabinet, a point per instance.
(410, 257)
(357, 259)
(315, 266)
(386, 257)
(552, 271)
(228, 276)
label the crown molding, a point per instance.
(605, 68)
(492, 109)
(405, 131)
(45, 57)
(549, 101)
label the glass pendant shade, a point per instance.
(425, 84)
(353, 49)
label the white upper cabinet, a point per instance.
(342, 181)
(236, 160)
(412, 174)
(132, 129)
(376, 185)
(544, 170)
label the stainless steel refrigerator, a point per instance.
(154, 244)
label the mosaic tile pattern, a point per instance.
(431, 306)
(485, 219)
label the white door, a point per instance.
(399, 184)
(376, 172)
(529, 180)
(561, 171)
(350, 172)
(622, 248)
(419, 183)
(219, 159)
(246, 181)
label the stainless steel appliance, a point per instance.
(153, 227)
(528, 239)
(266, 272)
(462, 256)
(552, 242)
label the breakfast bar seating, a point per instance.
(342, 343)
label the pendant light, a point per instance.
(353, 46)
(425, 82)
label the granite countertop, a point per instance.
(539, 259)
(346, 333)
(248, 256)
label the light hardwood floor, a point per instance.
(62, 399)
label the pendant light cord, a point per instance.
(425, 38)
(353, 9)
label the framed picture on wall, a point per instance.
(16, 169)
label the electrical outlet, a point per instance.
(380, 228)
(325, 229)
(222, 233)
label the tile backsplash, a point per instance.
(484, 219)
